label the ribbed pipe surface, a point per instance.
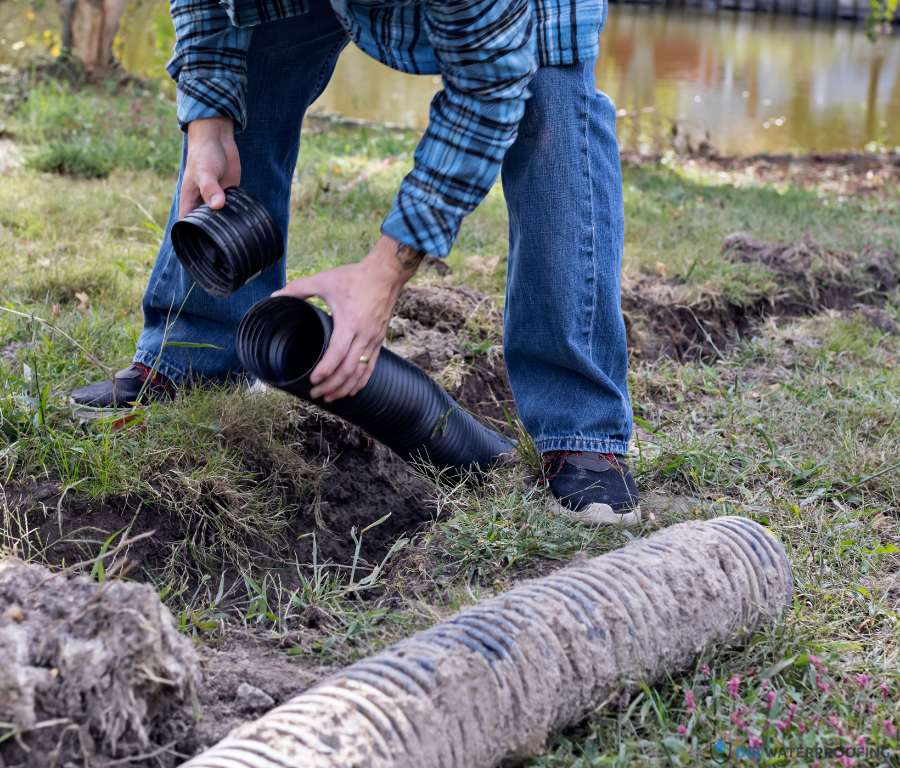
(281, 340)
(222, 250)
(494, 681)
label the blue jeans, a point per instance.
(564, 336)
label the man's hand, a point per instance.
(212, 165)
(362, 298)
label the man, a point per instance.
(518, 92)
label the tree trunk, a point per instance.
(89, 28)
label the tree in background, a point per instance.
(89, 29)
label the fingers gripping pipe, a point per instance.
(494, 681)
(281, 340)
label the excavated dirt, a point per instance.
(89, 670)
(452, 333)
(667, 317)
(97, 674)
(849, 173)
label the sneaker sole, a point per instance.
(596, 514)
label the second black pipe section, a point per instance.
(282, 339)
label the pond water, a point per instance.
(746, 82)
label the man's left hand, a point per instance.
(361, 298)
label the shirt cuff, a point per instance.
(420, 225)
(211, 97)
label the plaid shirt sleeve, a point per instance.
(210, 62)
(487, 54)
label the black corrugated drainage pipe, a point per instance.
(281, 340)
(496, 680)
(221, 250)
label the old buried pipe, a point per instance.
(281, 340)
(493, 682)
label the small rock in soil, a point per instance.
(251, 699)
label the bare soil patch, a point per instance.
(668, 317)
(849, 173)
(453, 333)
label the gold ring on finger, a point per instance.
(364, 359)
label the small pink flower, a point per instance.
(885, 690)
(815, 661)
(750, 671)
(682, 729)
(834, 722)
(801, 726)
(771, 696)
(782, 725)
(689, 703)
(890, 729)
(821, 684)
(733, 686)
(861, 742)
(792, 710)
(847, 761)
(754, 742)
(862, 680)
(706, 671)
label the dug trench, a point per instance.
(306, 462)
(316, 470)
(671, 317)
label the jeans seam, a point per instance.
(328, 63)
(591, 444)
(592, 292)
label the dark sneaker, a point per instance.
(592, 488)
(135, 385)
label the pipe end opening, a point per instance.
(281, 340)
(202, 257)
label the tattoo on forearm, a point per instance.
(409, 258)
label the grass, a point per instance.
(796, 427)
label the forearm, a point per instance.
(394, 262)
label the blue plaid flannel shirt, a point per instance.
(485, 50)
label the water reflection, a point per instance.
(754, 82)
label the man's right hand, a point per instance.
(212, 165)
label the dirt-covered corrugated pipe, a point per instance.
(280, 341)
(495, 681)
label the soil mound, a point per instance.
(88, 669)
